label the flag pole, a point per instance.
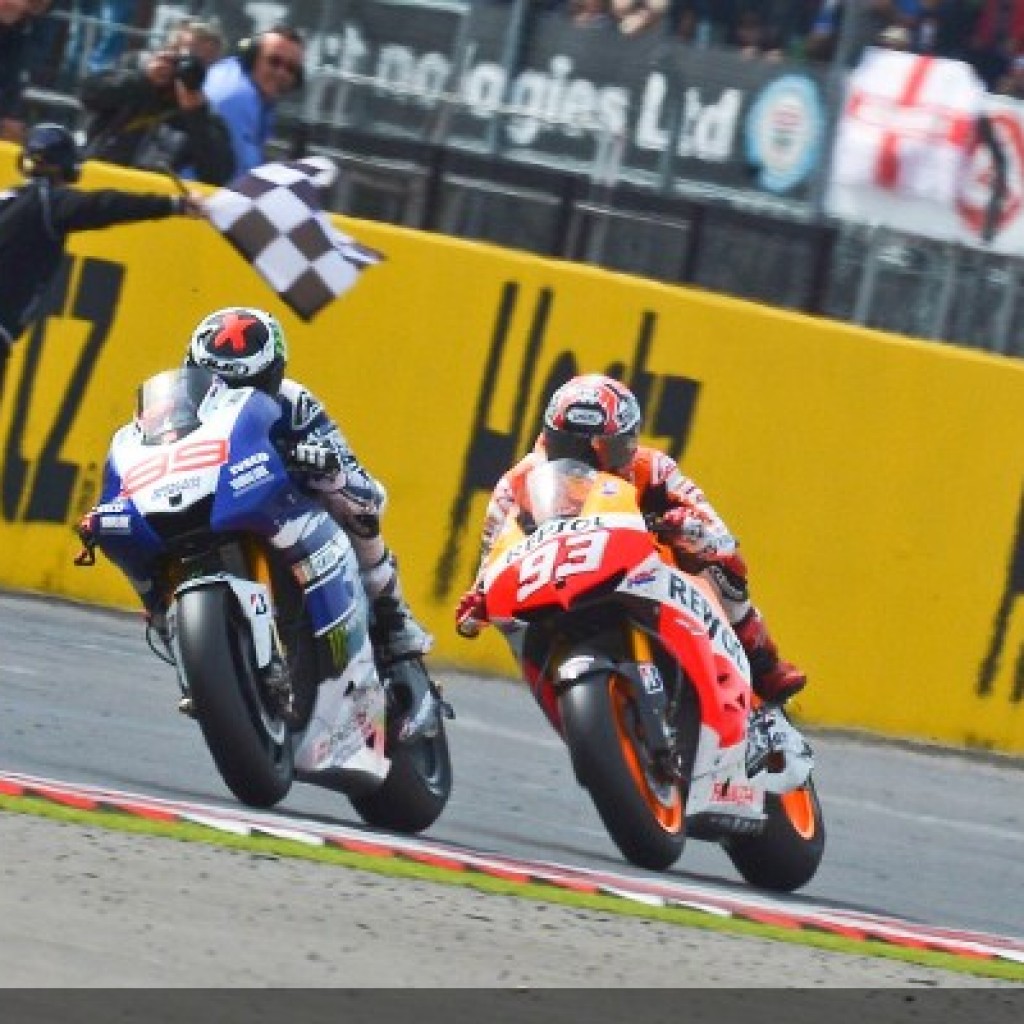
(178, 183)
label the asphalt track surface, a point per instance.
(928, 836)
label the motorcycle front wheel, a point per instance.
(250, 744)
(644, 814)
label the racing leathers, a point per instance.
(701, 541)
(355, 500)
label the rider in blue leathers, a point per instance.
(245, 347)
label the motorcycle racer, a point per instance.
(245, 347)
(596, 420)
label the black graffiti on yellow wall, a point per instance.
(42, 489)
(668, 402)
(1012, 591)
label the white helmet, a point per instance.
(243, 346)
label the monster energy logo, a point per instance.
(336, 639)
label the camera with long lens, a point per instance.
(189, 71)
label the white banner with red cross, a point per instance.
(922, 148)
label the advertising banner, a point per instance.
(645, 108)
(857, 469)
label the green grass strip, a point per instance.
(399, 866)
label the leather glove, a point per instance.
(86, 530)
(310, 457)
(471, 613)
(191, 205)
(690, 528)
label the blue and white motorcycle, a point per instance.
(267, 620)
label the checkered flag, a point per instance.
(272, 216)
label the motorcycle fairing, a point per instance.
(691, 624)
(222, 471)
(563, 562)
(184, 473)
(347, 732)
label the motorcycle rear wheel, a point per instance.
(786, 855)
(250, 745)
(416, 789)
(644, 816)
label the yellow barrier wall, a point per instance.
(875, 482)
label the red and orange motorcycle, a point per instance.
(634, 664)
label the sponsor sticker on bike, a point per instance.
(650, 677)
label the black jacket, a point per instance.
(35, 220)
(13, 59)
(137, 125)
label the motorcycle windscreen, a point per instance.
(559, 489)
(168, 404)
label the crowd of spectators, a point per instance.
(988, 34)
(126, 92)
(188, 102)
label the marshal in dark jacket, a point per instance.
(35, 221)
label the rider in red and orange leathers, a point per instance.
(596, 419)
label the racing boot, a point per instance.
(399, 643)
(394, 633)
(774, 679)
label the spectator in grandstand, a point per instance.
(1012, 83)
(245, 88)
(944, 28)
(754, 38)
(47, 34)
(998, 37)
(635, 16)
(207, 42)
(702, 23)
(13, 42)
(17, 18)
(894, 37)
(773, 28)
(158, 116)
(830, 39)
(97, 44)
(591, 14)
(940, 28)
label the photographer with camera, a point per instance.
(158, 116)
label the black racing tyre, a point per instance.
(416, 789)
(786, 855)
(645, 816)
(251, 746)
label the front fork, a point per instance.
(259, 565)
(272, 663)
(276, 675)
(667, 762)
